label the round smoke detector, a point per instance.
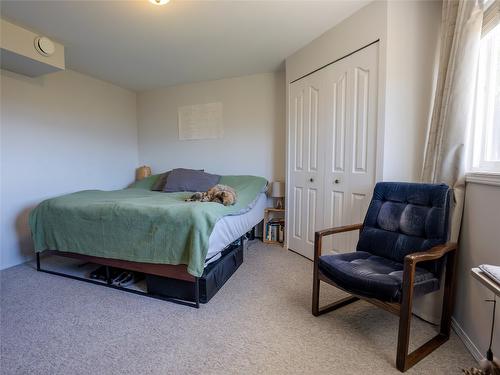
(44, 46)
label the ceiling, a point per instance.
(140, 46)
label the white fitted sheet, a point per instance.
(229, 228)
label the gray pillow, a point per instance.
(162, 180)
(181, 179)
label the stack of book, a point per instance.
(275, 230)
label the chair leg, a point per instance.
(315, 295)
(316, 310)
(405, 320)
(404, 360)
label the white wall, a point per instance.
(479, 244)
(254, 127)
(60, 133)
(412, 51)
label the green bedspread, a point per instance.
(137, 224)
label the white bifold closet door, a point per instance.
(333, 123)
(307, 160)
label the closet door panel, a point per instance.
(298, 130)
(312, 125)
(306, 177)
(364, 113)
(297, 213)
(337, 148)
(312, 214)
(296, 204)
(360, 123)
(350, 148)
(364, 68)
(339, 124)
(313, 178)
(338, 206)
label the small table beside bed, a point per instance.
(187, 250)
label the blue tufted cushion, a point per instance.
(404, 218)
(372, 276)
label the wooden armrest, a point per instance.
(318, 236)
(432, 254)
(345, 228)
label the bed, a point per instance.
(156, 233)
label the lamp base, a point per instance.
(279, 203)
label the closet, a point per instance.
(332, 150)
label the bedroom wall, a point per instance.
(413, 32)
(479, 244)
(254, 127)
(60, 133)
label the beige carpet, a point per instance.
(259, 323)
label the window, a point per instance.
(486, 148)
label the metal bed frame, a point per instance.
(178, 272)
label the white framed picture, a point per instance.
(201, 121)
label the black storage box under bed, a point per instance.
(214, 277)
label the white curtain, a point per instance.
(446, 152)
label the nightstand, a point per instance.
(273, 231)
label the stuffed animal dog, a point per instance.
(222, 194)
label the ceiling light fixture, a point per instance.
(159, 2)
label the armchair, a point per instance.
(400, 254)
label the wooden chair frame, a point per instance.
(404, 309)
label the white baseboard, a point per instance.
(466, 340)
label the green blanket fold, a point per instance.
(137, 224)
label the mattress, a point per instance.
(229, 228)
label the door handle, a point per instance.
(337, 181)
(311, 179)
